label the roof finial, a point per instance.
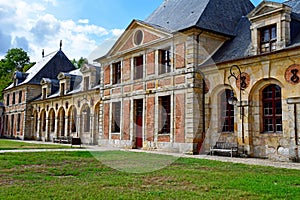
(60, 45)
(43, 53)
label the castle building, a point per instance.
(192, 74)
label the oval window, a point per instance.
(138, 37)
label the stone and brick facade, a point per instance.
(182, 80)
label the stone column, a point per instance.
(56, 126)
(38, 132)
(47, 133)
(92, 129)
(67, 133)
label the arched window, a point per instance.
(272, 109)
(227, 112)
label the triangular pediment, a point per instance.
(137, 35)
(267, 8)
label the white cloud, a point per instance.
(83, 21)
(28, 25)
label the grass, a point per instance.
(15, 144)
(85, 175)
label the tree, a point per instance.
(17, 59)
(78, 64)
(14, 60)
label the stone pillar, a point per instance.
(47, 132)
(56, 126)
(92, 129)
(78, 125)
(67, 133)
(38, 132)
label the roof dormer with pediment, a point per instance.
(270, 27)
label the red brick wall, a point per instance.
(128, 44)
(126, 120)
(179, 117)
(163, 138)
(150, 111)
(106, 75)
(106, 120)
(150, 63)
(180, 55)
(126, 70)
(148, 37)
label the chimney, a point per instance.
(43, 53)
(60, 45)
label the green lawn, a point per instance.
(15, 144)
(81, 175)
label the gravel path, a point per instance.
(248, 161)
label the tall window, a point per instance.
(86, 118)
(62, 89)
(86, 83)
(164, 61)
(7, 99)
(117, 73)
(227, 112)
(14, 98)
(20, 96)
(44, 93)
(116, 114)
(164, 114)
(272, 109)
(268, 37)
(138, 67)
(19, 122)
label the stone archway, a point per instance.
(96, 123)
(85, 124)
(51, 124)
(61, 122)
(72, 123)
(42, 125)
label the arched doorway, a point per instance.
(96, 123)
(51, 124)
(42, 125)
(72, 124)
(61, 122)
(85, 132)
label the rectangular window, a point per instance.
(20, 96)
(14, 98)
(164, 61)
(116, 114)
(164, 114)
(268, 38)
(227, 111)
(86, 83)
(116, 73)
(138, 67)
(19, 122)
(7, 99)
(44, 93)
(62, 89)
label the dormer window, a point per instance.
(86, 83)
(268, 39)
(62, 89)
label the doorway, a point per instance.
(138, 108)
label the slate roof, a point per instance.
(214, 15)
(48, 67)
(239, 46)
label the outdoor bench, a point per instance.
(224, 147)
(62, 139)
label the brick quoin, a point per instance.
(151, 63)
(126, 70)
(126, 120)
(107, 75)
(180, 52)
(150, 111)
(179, 118)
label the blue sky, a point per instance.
(82, 25)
